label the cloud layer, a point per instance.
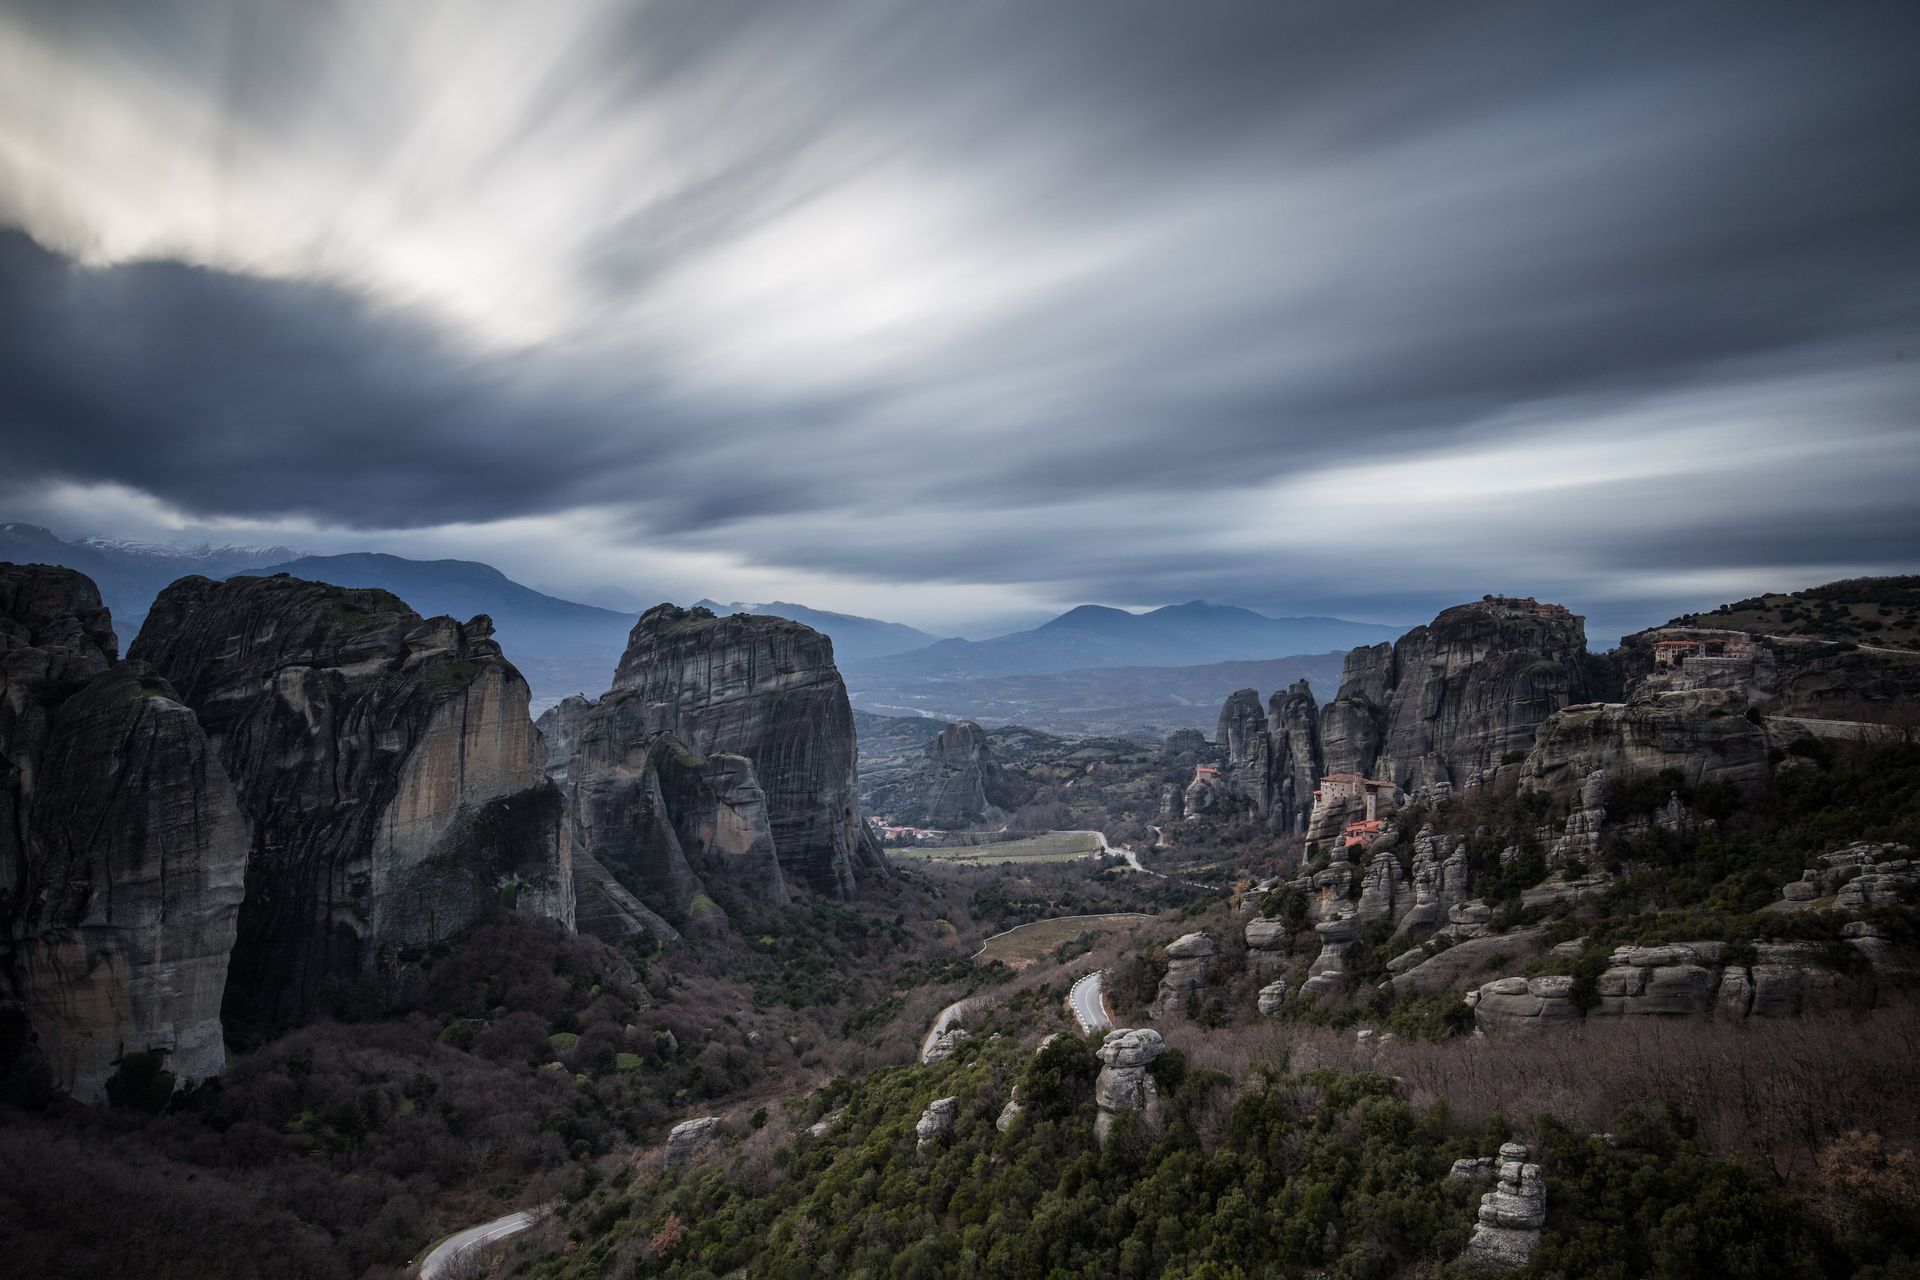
(969, 310)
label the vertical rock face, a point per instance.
(1243, 733)
(560, 726)
(122, 849)
(1293, 726)
(1352, 725)
(959, 783)
(1475, 685)
(394, 783)
(1273, 756)
(765, 689)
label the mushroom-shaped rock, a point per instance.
(1123, 1084)
(1128, 1048)
(1186, 973)
(936, 1122)
(689, 1138)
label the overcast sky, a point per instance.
(959, 312)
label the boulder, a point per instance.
(689, 1138)
(936, 1122)
(1272, 998)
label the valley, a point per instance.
(669, 905)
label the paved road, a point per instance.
(948, 1016)
(440, 1262)
(1089, 1006)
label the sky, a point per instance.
(962, 314)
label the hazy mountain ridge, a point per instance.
(1090, 636)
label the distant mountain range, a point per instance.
(1092, 636)
(1136, 702)
(1059, 674)
(855, 639)
(131, 573)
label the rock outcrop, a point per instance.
(1700, 735)
(756, 687)
(1681, 979)
(1273, 756)
(958, 783)
(1124, 1085)
(560, 726)
(1511, 1215)
(1186, 974)
(936, 1122)
(1269, 941)
(1329, 969)
(393, 782)
(689, 1138)
(122, 849)
(1439, 881)
(1272, 998)
(1456, 697)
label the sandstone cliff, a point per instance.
(757, 687)
(393, 781)
(122, 849)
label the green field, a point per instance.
(1020, 947)
(1054, 846)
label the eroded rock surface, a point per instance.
(1186, 974)
(957, 783)
(1511, 1215)
(122, 848)
(393, 782)
(689, 1138)
(1124, 1085)
(936, 1122)
(760, 688)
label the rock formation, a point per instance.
(1183, 742)
(756, 687)
(689, 1138)
(1273, 757)
(560, 726)
(387, 767)
(1702, 735)
(1439, 881)
(1679, 979)
(1243, 734)
(1329, 969)
(1457, 696)
(1186, 974)
(958, 783)
(936, 1122)
(1268, 943)
(1124, 1085)
(122, 848)
(1272, 998)
(945, 1045)
(1511, 1215)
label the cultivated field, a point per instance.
(1020, 947)
(1053, 846)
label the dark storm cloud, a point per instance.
(1110, 299)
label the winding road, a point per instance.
(438, 1263)
(1089, 1004)
(947, 1017)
